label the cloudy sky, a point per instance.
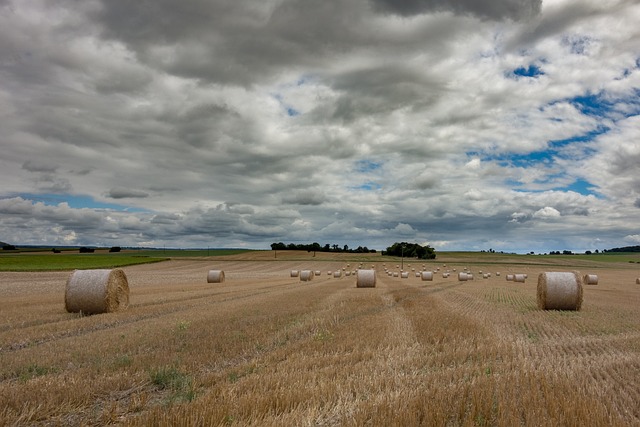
(511, 125)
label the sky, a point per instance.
(511, 125)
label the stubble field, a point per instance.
(266, 349)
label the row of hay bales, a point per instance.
(105, 290)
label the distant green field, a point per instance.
(39, 262)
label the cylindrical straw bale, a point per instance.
(215, 276)
(638, 281)
(590, 279)
(405, 275)
(519, 278)
(329, 273)
(366, 279)
(96, 291)
(510, 277)
(560, 291)
(347, 273)
(445, 275)
(485, 275)
(462, 276)
(417, 274)
(427, 276)
(318, 272)
(306, 275)
(497, 273)
(337, 274)
(294, 273)
(395, 274)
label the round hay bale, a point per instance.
(497, 273)
(638, 281)
(445, 275)
(462, 276)
(590, 279)
(215, 276)
(329, 273)
(560, 291)
(306, 275)
(318, 272)
(347, 273)
(427, 276)
(294, 273)
(510, 277)
(417, 274)
(337, 274)
(519, 278)
(366, 279)
(485, 275)
(96, 291)
(395, 274)
(405, 275)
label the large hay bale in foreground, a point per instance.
(560, 291)
(96, 291)
(366, 279)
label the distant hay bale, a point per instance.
(395, 274)
(405, 275)
(485, 275)
(329, 273)
(462, 276)
(560, 291)
(366, 279)
(318, 272)
(510, 277)
(337, 274)
(294, 273)
(497, 273)
(347, 273)
(445, 275)
(519, 278)
(215, 276)
(306, 275)
(96, 291)
(590, 279)
(418, 274)
(427, 276)
(638, 281)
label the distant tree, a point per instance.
(115, 249)
(85, 250)
(587, 252)
(8, 247)
(411, 250)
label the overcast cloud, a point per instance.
(512, 125)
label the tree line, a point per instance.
(316, 247)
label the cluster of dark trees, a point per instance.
(625, 249)
(410, 250)
(315, 247)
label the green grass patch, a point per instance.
(61, 262)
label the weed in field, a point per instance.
(179, 383)
(33, 371)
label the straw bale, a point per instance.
(510, 277)
(337, 274)
(405, 275)
(638, 281)
(427, 276)
(306, 275)
(462, 276)
(520, 278)
(366, 279)
(294, 273)
(560, 291)
(318, 272)
(590, 279)
(215, 276)
(96, 291)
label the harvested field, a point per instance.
(263, 348)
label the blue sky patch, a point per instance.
(531, 71)
(77, 202)
(368, 186)
(366, 166)
(581, 186)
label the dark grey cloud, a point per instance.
(126, 193)
(490, 9)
